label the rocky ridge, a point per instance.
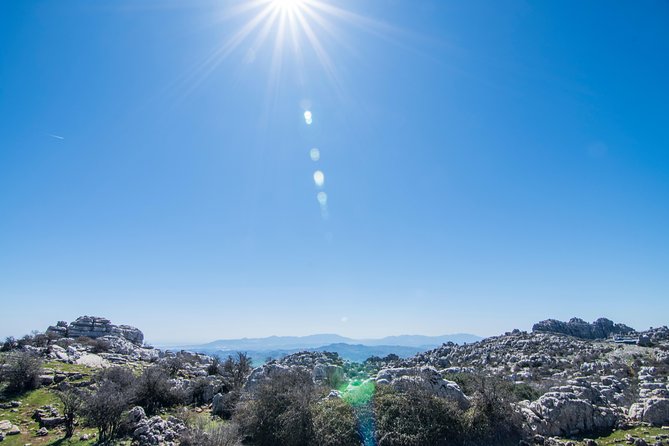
(602, 328)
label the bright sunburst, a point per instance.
(286, 26)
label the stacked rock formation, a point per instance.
(95, 327)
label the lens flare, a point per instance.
(319, 178)
(315, 154)
(308, 117)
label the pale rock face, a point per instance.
(653, 410)
(563, 414)
(427, 378)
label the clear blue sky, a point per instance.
(487, 164)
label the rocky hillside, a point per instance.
(552, 386)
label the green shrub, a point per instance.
(152, 390)
(280, 411)
(21, 371)
(415, 418)
(203, 431)
(119, 375)
(334, 423)
(491, 419)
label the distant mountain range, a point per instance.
(260, 349)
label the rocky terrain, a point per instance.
(575, 381)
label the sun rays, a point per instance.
(303, 32)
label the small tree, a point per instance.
(280, 412)
(491, 419)
(237, 368)
(334, 423)
(103, 409)
(72, 402)
(21, 372)
(174, 364)
(10, 344)
(215, 367)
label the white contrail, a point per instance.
(55, 136)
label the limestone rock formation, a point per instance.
(602, 328)
(95, 327)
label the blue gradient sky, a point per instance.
(487, 165)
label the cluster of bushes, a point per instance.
(290, 410)
(35, 339)
(117, 389)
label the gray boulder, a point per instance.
(563, 414)
(652, 410)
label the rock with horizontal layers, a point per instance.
(95, 327)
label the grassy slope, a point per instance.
(33, 400)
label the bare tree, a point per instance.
(72, 402)
(103, 409)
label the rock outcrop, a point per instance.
(154, 430)
(427, 379)
(602, 328)
(564, 414)
(95, 327)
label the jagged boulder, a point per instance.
(602, 328)
(426, 378)
(155, 430)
